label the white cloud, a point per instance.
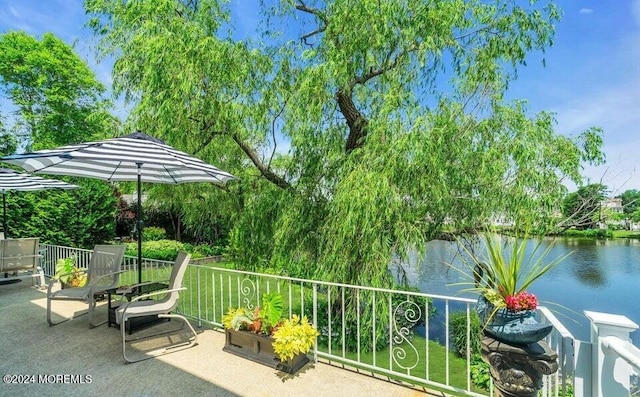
(586, 11)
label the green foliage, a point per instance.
(58, 97)
(408, 312)
(165, 250)
(79, 218)
(58, 101)
(263, 319)
(630, 201)
(458, 331)
(168, 249)
(582, 207)
(590, 233)
(480, 372)
(625, 234)
(152, 233)
(67, 272)
(290, 336)
(293, 336)
(238, 318)
(204, 250)
(8, 141)
(383, 155)
(271, 310)
(505, 268)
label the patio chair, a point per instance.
(103, 273)
(142, 306)
(20, 258)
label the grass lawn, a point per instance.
(626, 234)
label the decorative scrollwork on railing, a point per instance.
(247, 292)
(405, 316)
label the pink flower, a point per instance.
(521, 301)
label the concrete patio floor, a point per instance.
(28, 346)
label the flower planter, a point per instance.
(518, 328)
(259, 348)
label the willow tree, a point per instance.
(358, 128)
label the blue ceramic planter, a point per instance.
(518, 328)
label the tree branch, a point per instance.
(301, 6)
(248, 150)
(264, 170)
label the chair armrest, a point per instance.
(150, 294)
(132, 286)
(147, 283)
(154, 293)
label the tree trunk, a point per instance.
(355, 120)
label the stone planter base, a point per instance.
(259, 348)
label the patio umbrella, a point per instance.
(134, 157)
(12, 180)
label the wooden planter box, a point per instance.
(259, 348)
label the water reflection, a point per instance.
(590, 275)
(602, 275)
(582, 264)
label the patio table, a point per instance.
(128, 294)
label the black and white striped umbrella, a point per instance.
(12, 180)
(134, 157)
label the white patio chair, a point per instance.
(103, 273)
(142, 306)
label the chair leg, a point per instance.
(39, 274)
(92, 307)
(177, 347)
(51, 323)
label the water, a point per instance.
(599, 275)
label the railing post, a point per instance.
(610, 373)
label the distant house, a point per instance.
(612, 205)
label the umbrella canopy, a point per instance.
(134, 157)
(12, 180)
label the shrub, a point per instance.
(208, 250)
(168, 249)
(591, 233)
(404, 311)
(458, 332)
(153, 233)
(165, 250)
(480, 372)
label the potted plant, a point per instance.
(262, 335)
(69, 274)
(501, 277)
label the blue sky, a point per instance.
(591, 78)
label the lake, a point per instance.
(599, 275)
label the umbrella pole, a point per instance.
(4, 214)
(139, 224)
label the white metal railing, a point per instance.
(566, 381)
(153, 269)
(394, 316)
(411, 330)
(625, 349)
(614, 357)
